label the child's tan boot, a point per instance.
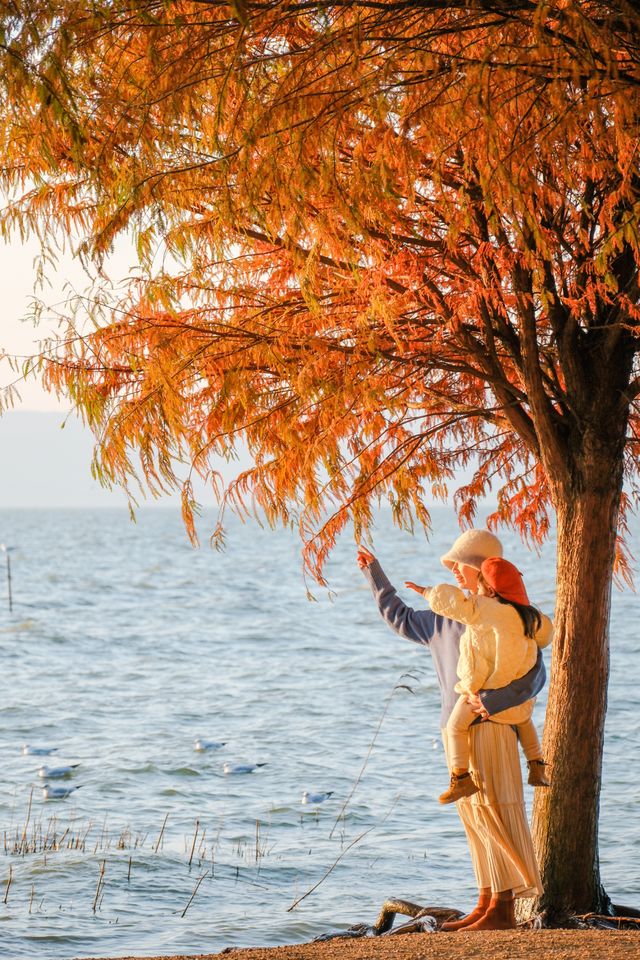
(537, 776)
(461, 785)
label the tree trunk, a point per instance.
(565, 816)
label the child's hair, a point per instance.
(507, 585)
(530, 616)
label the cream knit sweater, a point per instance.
(493, 649)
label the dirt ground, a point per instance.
(483, 945)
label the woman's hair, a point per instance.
(530, 616)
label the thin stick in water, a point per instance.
(193, 845)
(9, 879)
(23, 841)
(192, 897)
(158, 841)
(5, 549)
(396, 686)
(338, 859)
(9, 583)
(100, 883)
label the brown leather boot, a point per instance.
(461, 785)
(499, 916)
(537, 775)
(478, 911)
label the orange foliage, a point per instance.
(379, 241)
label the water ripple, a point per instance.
(125, 645)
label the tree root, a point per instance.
(604, 922)
(620, 911)
(430, 919)
(423, 920)
(393, 906)
(622, 918)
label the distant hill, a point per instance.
(46, 462)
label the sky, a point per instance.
(17, 337)
(45, 451)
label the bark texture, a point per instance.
(565, 824)
(587, 499)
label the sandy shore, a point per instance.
(483, 945)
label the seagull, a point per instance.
(201, 745)
(316, 797)
(57, 773)
(241, 767)
(57, 793)
(30, 751)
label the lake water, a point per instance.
(125, 644)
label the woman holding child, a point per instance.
(491, 803)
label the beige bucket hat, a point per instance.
(472, 547)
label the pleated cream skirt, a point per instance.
(495, 819)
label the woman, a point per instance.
(494, 818)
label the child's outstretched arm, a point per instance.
(450, 601)
(416, 587)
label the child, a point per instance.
(499, 645)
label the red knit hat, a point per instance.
(505, 579)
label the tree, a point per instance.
(377, 241)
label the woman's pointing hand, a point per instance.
(365, 558)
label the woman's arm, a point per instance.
(524, 688)
(517, 692)
(416, 625)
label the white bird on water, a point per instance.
(201, 745)
(316, 797)
(57, 793)
(30, 751)
(241, 767)
(57, 773)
